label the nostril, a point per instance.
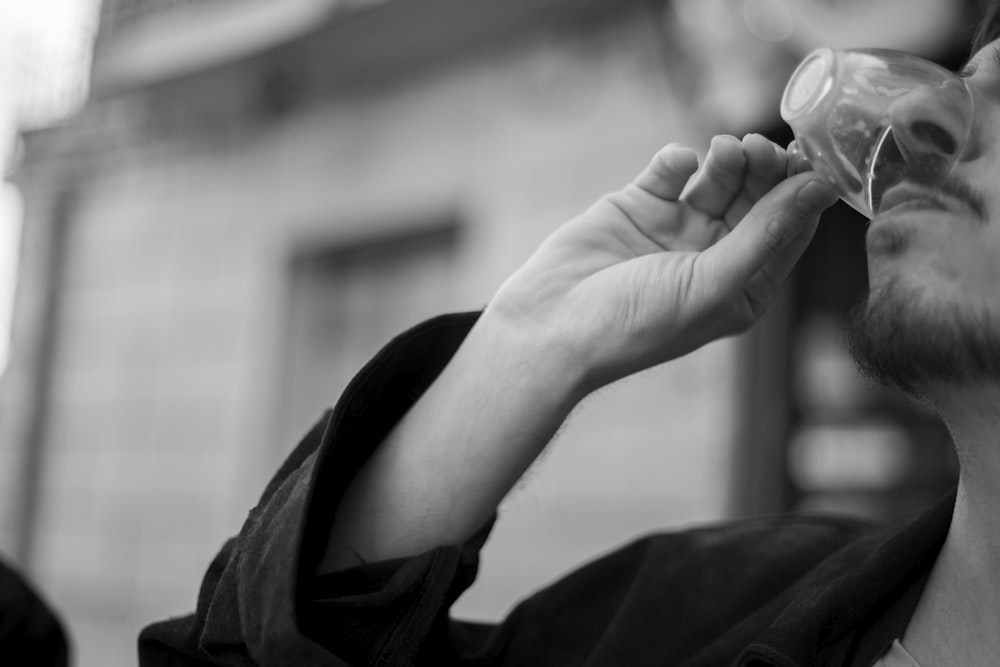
(935, 135)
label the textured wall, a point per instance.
(162, 418)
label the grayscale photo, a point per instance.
(500, 333)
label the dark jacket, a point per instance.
(787, 590)
(30, 633)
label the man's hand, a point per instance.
(645, 275)
(670, 262)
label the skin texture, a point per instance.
(930, 327)
(677, 258)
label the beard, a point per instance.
(906, 342)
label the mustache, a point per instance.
(893, 166)
(968, 195)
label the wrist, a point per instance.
(542, 357)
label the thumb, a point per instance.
(787, 212)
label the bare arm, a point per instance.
(644, 276)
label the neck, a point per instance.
(957, 612)
(972, 414)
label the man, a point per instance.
(372, 527)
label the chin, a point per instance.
(886, 241)
(910, 335)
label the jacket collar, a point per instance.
(845, 591)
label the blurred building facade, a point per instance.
(260, 194)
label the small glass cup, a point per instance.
(871, 119)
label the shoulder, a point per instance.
(792, 534)
(774, 551)
(700, 582)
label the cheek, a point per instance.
(968, 268)
(942, 267)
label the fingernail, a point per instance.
(797, 163)
(723, 138)
(815, 195)
(681, 158)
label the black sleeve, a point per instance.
(259, 602)
(30, 633)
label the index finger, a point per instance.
(776, 221)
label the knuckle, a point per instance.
(671, 158)
(775, 235)
(663, 170)
(756, 309)
(744, 320)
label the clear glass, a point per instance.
(871, 119)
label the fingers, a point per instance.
(797, 162)
(668, 172)
(650, 202)
(783, 218)
(766, 167)
(721, 177)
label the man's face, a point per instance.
(933, 312)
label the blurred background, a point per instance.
(214, 211)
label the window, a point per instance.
(345, 302)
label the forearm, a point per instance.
(446, 466)
(638, 279)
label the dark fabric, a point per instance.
(841, 595)
(251, 597)
(30, 633)
(787, 590)
(888, 625)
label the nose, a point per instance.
(933, 122)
